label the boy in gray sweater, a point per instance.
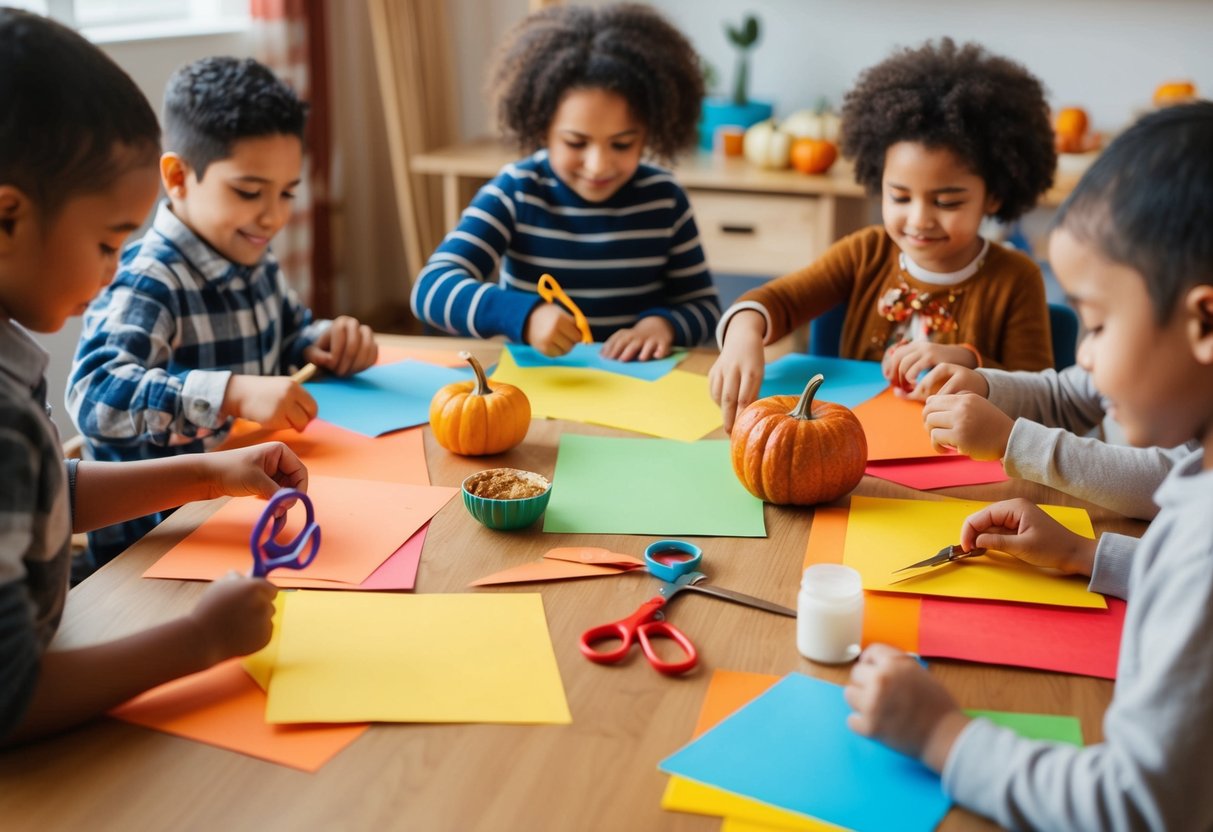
(1131, 245)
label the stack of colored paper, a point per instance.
(992, 609)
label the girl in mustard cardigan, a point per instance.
(946, 135)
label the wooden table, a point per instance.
(600, 772)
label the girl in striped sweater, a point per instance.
(588, 91)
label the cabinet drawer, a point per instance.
(758, 234)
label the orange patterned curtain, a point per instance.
(289, 39)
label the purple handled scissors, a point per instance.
(268, 553)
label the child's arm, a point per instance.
(455, 291)
(967, 422)
(111, 492)
(344, 348)
(233, 618)
(120, 389)
(736, 378)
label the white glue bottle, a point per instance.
(829, 615)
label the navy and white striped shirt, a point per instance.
(634, 255)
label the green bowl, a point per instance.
(507, 514)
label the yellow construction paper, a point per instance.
(675, 406)
(885, 534)
(260, 665)
(361, 656)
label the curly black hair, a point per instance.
(71, 121)
(214, 102)
(628, 49)
(988, 110)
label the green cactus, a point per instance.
(744, 38)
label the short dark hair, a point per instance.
(71, 121)
(628, 49)
(988, 110)
(212, 103)
(1147, 202)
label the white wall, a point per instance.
(1106, 55)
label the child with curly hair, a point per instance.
(590, 91)
(1142, 279)
(946, 135)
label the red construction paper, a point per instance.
(938, 472)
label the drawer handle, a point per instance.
(736, 229)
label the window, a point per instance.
(111, 19)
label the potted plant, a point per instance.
(738, 110)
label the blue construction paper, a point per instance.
(847, 382)
(791, 748)
(384, 398)
(588, 355)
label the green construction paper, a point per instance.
(608, 485)
(1065, 729)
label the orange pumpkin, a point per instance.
(813, 155)
(472, 419)
(1174, 92)
(1070, 124)
(801, 453)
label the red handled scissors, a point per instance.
(644, 625)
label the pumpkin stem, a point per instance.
(804, 407)
(482, 382)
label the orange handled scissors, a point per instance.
(550, 291)
(643, 625)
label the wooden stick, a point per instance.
(304, 373)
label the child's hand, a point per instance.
(234, 616)
(950, 378)
(905, 361)
(345, 348)
(736, 377)
(1020, 528)
(551, 330)
(651, 337)
(274, 402)
(897, 702)
(257, 471)
(969, 423)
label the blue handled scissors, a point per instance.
(268, 553)
(667, 560)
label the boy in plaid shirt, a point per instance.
(199, 326)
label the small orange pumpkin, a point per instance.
(1174, 92)
(813, 155)
(800, 453)
(1070, 124)
(472, 419)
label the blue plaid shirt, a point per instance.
(160, 343)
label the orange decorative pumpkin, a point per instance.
(1174, 92)
(1070, 123)
(472, 419)
(813, 155)
(798, 452)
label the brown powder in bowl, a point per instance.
(506, 484)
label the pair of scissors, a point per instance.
(948, 554)
(676, 563)
(667, 560)
(268, 553)
(551, 291)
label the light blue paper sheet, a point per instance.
(791, 748)
(847, 382)
(384, 398)
(588, 355)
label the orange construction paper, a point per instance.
(887, 618)
(328, 450)
(727, 692)
(362, 523)
(563, 563)
(893, 427)
(223, 707)
(443, 358)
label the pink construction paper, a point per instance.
(399, 572)
(938, 472)
(1061, 639)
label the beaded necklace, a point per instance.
(902, 303)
